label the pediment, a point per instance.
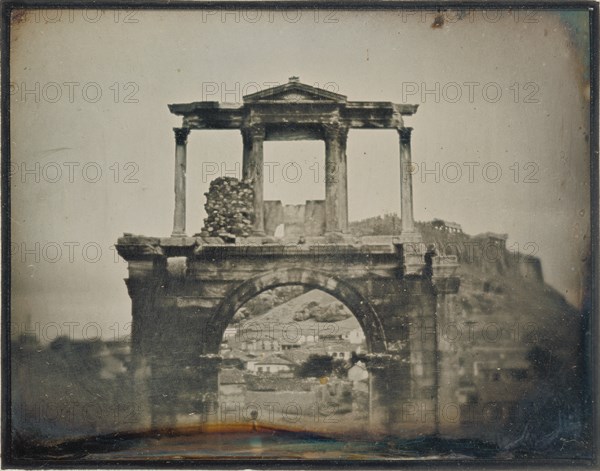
(297, 95)
(294, 92)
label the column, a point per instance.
(252, 169)
(343, 173)
(406, 199)
(143, 285)
(181, 135)
(336, 185)
(408, 224)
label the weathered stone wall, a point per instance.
(299, 220)
(314, 218)
(293, 216)
(273, 216)
(530, 268)
(180, 314)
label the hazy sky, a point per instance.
(90, 123)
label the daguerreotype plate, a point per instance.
(302, 235)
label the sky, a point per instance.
(500, 140)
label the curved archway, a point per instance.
(344, 292)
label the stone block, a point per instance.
(293, 217)
(177, 241)
(273, 213)
(314, 218)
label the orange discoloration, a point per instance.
(18, 16)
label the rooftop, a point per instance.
(231, 376)
(273, 359)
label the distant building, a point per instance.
(447, 226)
(494, 238)
(290, 345)
(261, 345)
(310, 338)
(341, 350)
(358, 372)
(355, 336)
(230, 332)
(271, 364)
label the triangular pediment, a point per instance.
(293, 92)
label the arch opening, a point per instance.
(342, 291)
(294, 171)
(293, 356)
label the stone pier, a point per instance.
(180, 315)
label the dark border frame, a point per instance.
(590, 306)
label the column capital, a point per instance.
(144, 286)
(181, 135)
(405, 134)
(254, 131)
(335, 131)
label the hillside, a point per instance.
(323, 314)
(507, 338)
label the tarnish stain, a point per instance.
(576, 29)
(438, 21)
(18, 17)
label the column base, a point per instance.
(336, 236)
(413, 236)
(178, 234)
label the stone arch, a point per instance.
(362, 310)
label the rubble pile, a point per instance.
(229, 207)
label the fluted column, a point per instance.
(406, 193)
(252, 169)
(181, 135)
(336, 185)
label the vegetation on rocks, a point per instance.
(229, 207)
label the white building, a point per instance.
(355, 336)
(230, 332)
(271, 364)
(358, 372)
